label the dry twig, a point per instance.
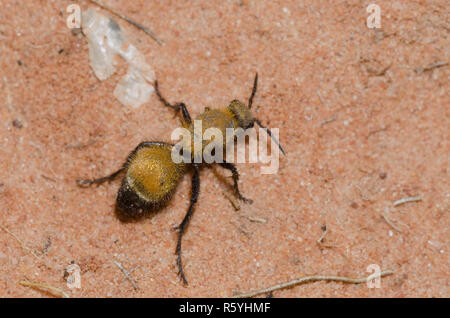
(388, 221)
(430, 67)
(232, 200)
(256, 219)
(320, 241)
(39, 286)
(408, 199)
(137, 25)
(328, 120)
(307, 279)
(376, 131)
(127, 274)
(378, 72)
(20, 242)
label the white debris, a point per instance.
(132, 90)
(106, 40)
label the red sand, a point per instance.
(363, 121)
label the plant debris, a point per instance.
(406, 200)
(106, 40)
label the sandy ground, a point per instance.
(363, 116)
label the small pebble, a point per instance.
(17, 123)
